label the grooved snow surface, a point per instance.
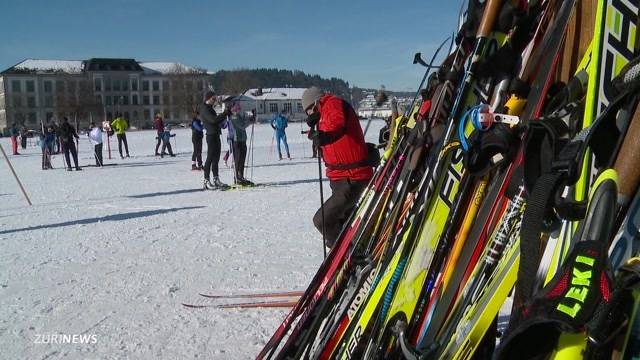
(113, 252)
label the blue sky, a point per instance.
(367, 43)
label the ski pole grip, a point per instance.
(491, 10)
(627, 161)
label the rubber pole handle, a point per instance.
(628, 161)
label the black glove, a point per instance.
(318, 137)
(313, 119)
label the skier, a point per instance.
(197, 133)
(240, 122)
(14, 132)
(67, 134)
(120, 125)
(95, 136)
(166, 141)
(212, 122)
(279, 123)
(158, 124)
(337, 132)
(47, 139)
(230, 136)
(24, 134)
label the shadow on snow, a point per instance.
(115, 217)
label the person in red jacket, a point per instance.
(337, 132)
(158, 124)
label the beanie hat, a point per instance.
(310, 96)
(208, 94)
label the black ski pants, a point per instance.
(97, 151)
(239, 157)
(197, 149)
(158, 141)
(213, 155)
(166, 145)
(338, 207)
(122, 138)
(70, 147)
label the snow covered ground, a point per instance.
(113, 252)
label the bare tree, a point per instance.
(78, 103)
(186, 89)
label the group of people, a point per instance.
(236, 123)
(335, 133)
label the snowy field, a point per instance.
(112, 253)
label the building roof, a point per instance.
(275, 93)
(164, 67)
(105, 64)
(35, 66)
(39, 66)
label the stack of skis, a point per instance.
(503, 220)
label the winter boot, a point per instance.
(219, 184)
(194, 167)
(208, 185)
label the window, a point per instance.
(273, 107)
(99, 99)
(134, 84)
(48, 116)
(125, 100)
(125, 85)
(134, 99)
(48, 101)
(107, 100)
(17, 101)
(48, 87)
(98, 84)
(147, 114)
(30, 85)
(19, 118)
(174, 85)
(145, 100)
(59, 86)
(165, 100)
(300, 109)
(116, 85)
(165, 85)
(286, 107)
(156, 100)
(188, 84)
(156, 85)
(126, 115)
(32, 118)
(107, 84)
(15, 86)
(71, 87)
(145, 85)
(135, 115)
(31, 102)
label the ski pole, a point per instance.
(324, 238)
(251, 149)
(16, 176)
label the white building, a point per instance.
(270, 101)
(35, 91)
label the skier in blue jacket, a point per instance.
(279, 123)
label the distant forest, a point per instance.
(238, 81)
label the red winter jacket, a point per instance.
(349, 147)
(158, 124)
